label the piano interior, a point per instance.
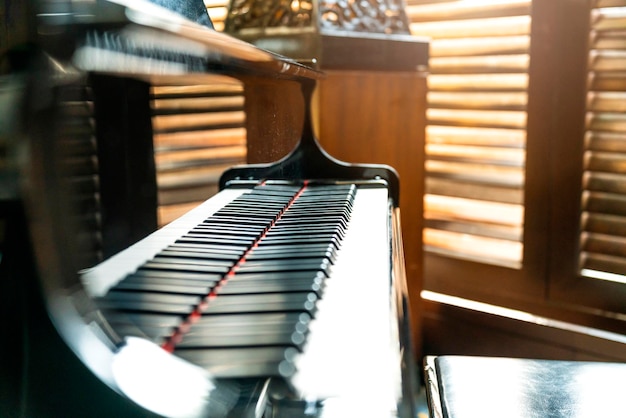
(283, 295)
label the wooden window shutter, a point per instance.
(198, 133)
(476, 127)
(603, 223)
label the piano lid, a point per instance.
(141, 39)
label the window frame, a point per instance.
(549, 282)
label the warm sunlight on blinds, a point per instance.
(476, 127)
(198, 133)
(603, 240)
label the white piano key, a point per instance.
(350, 354)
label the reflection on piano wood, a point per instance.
(283, 295)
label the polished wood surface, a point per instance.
(274, 118)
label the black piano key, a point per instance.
(299, 320)
(305, 222)
(172, 287)
(187, 260)
(301, 240)
(243, 362)
(212, 230)
(164, 298)
(185, 268)
(230, 220)
(157, 335)
(141, 306)
(270, 302)
(260, 200)
(278, 276)
(146, 319)
(234, 287)
(297, 238)
(172, 280)
(290, 265)
(286, 253)
(156, 327)
(201, 239)
(227, 251)
(313, 229)
(277, 190)
(201, 255)
(287, 247)
(271, 335)
(177, 275)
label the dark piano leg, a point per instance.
(126, 164)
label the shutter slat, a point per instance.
(197, 120)
(607, 81)
(608, 40)
(467, 10)
(187, 178)
(476, 136)
(605, 182)
(468, 210)
(606, 102)
(486, 118)
(479, 46)
(606, 203)
(608, 3)
(480, 230)
(605, 141)
(605, 162)
(479, 82)
(604, 224)
(480, 64)
(179, 158)
(610, 60)
(476, 173)
(604, 244)
(216, 86)
(197, 103)
(604, 263)
(488, 101)
(443, 187)
(614, 122)
(611, 18)
(475, 28)
(478, 155)
(194, 139)
(480, 249)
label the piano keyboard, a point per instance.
(289, 281)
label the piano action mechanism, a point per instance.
(283, 295)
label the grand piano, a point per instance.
(282, 296)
